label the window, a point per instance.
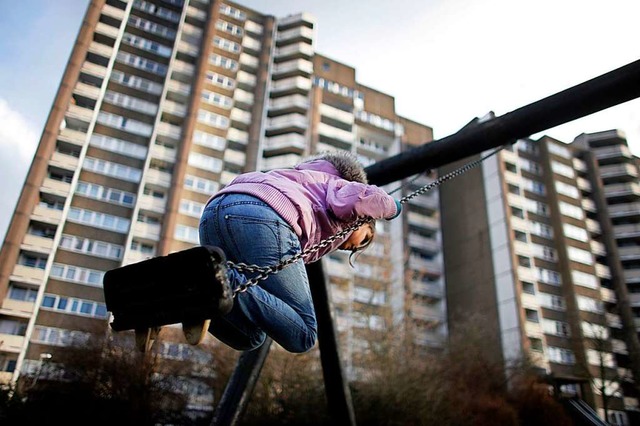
(223, 62)
(520, 236)
(536, 207)
(152, 27)
(369, 296)
(201, 185)
(551, 301)
(535, 344)
(517, 212)
(220, 80)
(154, 9)
(130, 102)
(118, 146)
(530, 166)
(556, 328)
(187, 234)
(136, 82)
(213, 119)
(531, 315)
(233, 12)
(513, 189)
(217, 99)
(510, 167)
(105, 194)
(527, 146)
(595, 331)
(229, 28)
(74, 306)
(125, 124)
(77, 274)
(561, 355)
(148, 45)
(225, 44)
(534, 186)
(561, 151)
(548, 277)
(541, 230)
(91, 247)
(529, 288)
(59, 337)
(99, 220)
(590, 305)
(191, 208)
(205, 162)
(524, 261)
(23, 294)
(141, 63)
(208, 140)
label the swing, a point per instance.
(191, 286)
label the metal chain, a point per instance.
(265, 272)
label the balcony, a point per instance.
(163, 153)
(622, 170)
(603, 271)
(613, 320)
(243, 98)
(300, 85)
(631, 404)
(289, 68)
(86, 90)
(188, 48)
(11, 343)
(584, 184)
(56, 187)
(93, 69)
(287, 104)
(72, 136)
(588, 205)
(629, 252)
(174, 108)
(240, 116)
(429, 266)
(17, 308)
(288, 142)
(249, 62)
(245, 79)
(430, 223)
(178, 87)
(634, 299)
(533, 329)
(287, 123)
(305, 19)
(27, 274)
(299, 34)
(169, 130)
(619, 346)
(424, 243)
(281, 161)
(114, 12)
(579, 165)
(336, 114)
(147, 231)
(529, 301)
(430, 339)
(632, 276)
(622, 190)
(430, 290)
(238, 136)
(597, 248)
(226, 177)
(46, 215)
(253, 27)
(183, 68)
(625, 209)
(593, 226)
(79, 113)
(108, 30)
(37, 244)
(339, 270)
(101, 49)
(526, 274)
(251, 44)
(608, 295)
(158, 177)
(609, 152)
(64, 161)
(195, 13)
(428, 202)
(294, 51)
(335, 134)
(235, 157)
(626, 231)
(427, 313)
(153, 204)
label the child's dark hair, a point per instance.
(345, 163)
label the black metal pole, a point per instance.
(335, 381)
(607, 90)
(240, 386)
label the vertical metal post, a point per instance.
(335, 381)
(240, 386)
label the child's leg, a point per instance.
(251, 232)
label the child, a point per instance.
(264, 218)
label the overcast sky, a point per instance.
(444, 61)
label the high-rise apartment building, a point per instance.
(162, 103)
(541, 246)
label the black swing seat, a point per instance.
(186, 286)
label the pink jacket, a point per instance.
(314, 200)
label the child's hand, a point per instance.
(398, 210)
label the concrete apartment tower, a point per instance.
(541, 247)
(162, 103)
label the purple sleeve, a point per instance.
(348, 200)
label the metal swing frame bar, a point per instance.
(610, 89)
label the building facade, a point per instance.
(162, 103)
(535, 262)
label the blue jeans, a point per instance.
(249, 231)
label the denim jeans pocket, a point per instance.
(259, 240)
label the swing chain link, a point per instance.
(265, 272)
